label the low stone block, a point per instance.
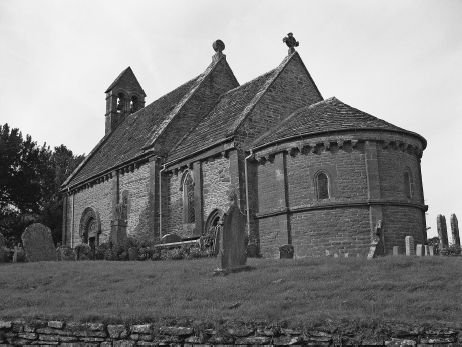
(240, 332)
(176, 331)
(50, 331)
(141, 328)
(123, 343)
(5, 324)
(92, 339)
(55, 324)
(115, 331)
(253, 340)
(287, 340)
(96, 326)
(28, 336)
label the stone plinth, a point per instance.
(118, 232)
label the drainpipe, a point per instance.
(72, 223)
(160, 201)
(247, 191)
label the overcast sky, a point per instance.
(397, 60)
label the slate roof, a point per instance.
(327, 115)
(227, 115)
(127, 140)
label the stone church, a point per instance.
(312, 172)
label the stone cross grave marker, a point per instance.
(419, 250)
(37, 243)
(455, 230)
(410, 250)
(233, 241)
(442, 231)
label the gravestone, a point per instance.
(395, 250)
(233, 241)
(38, 244)
(409, 241)
(455, 230)
(442, 231)
(3, 254)
(286, 252)
(431, 250)
(19, 256)
(427, 250)
(419, 250)
(170, 238)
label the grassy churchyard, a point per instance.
(305, 291)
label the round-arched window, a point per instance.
(322, 186)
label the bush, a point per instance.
(451, 251)
(100, 251)
(83, 252)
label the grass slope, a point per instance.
(400, 289)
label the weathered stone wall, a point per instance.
(393, 163)
(99, 198)
(173, 216)
(216, 183)
(137, 185)
(20, 332)
(292, 89)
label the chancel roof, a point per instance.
(324, 116)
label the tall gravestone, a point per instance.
(38, 243)
(409, 241)
(455, 230)
(233, 240)
(442, 231)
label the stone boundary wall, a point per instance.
(39, 332)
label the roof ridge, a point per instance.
(157, 132)
(276, 72)
(106, 136)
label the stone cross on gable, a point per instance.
(290, 42)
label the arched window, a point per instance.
(120, 102)
(322, 186)
(189, 214)
(407, 184)
(133, 104)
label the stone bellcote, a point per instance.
(123, 97)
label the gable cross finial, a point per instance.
(290, 42)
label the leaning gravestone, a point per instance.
(455, 230)
(233, 241)
(38, 244)
(442, 231)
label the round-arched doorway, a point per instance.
(212, 231)
(90, 228)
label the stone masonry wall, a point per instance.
(216, 184)
(99, 198)
(292, 89)
(137, 185)
(173, 218)
(20, 332)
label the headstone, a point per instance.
(442, 231)
(427, 250)
(345, 255)
(455, 230)
(431, 250)
(38, 244)
(409, 241)
(335, 255)
(327, 253)
(170, 238)
(286, 252)
(395, 250)
(233, 241)
(3, 254)
(19, 256)
(419, 250)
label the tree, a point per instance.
(30, 178)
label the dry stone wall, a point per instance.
(20, 332)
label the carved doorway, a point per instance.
(90, 228)
(213, 230)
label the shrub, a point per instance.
(156, 254)
(83, 252)
(100, 251)
(451, 251)
(145, 253)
